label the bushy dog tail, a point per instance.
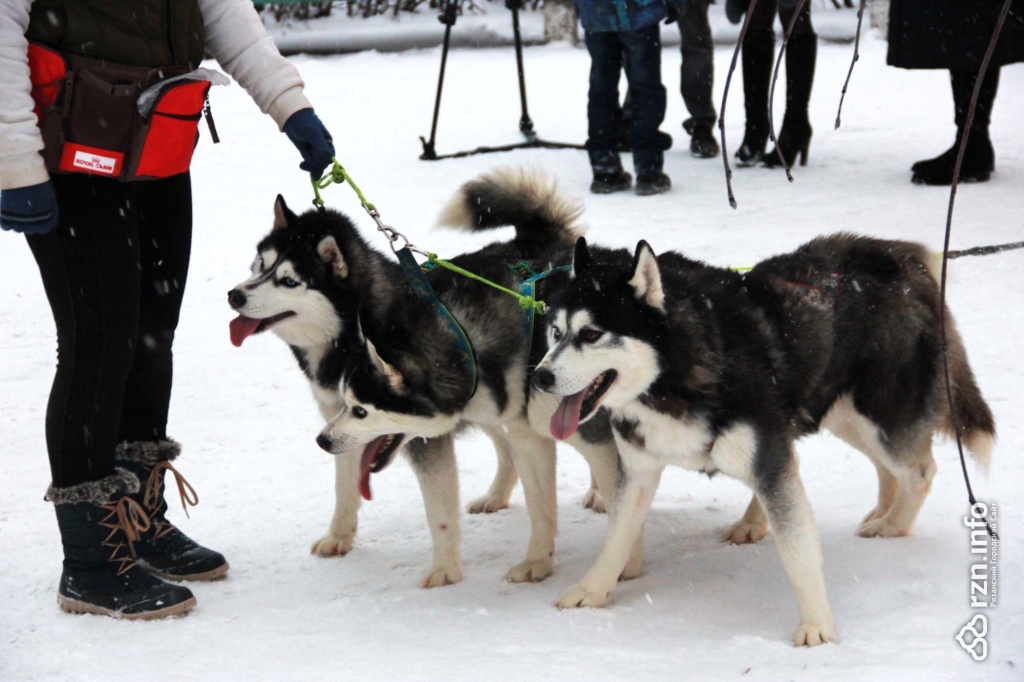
(528, 200)
(973, 416)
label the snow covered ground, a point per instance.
(704, 610)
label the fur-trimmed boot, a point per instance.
(163, 549)
(98, 524)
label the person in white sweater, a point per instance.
(110, 230)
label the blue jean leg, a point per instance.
(604, 117)
(643, 71)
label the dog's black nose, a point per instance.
(236, 298)
(543, 378)
(324, 442)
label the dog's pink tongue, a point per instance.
(566, 418)
(364, 470)
(241, 328)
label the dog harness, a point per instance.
(528, 287)
(416, 277)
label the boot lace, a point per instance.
(153, 497)
(126, 520)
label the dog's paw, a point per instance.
(875, 514)
(744, 533)
(487, 505)
(530, 571)
(579, 595)
(439, 577)
(593, 500)
(811, 634)
(881, 528)
(332, 545)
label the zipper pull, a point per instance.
(209, 120)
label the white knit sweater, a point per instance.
(234, 36)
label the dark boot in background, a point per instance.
(757, 55)
(99, 524)
(609, 176)
(703, 144)
(650, 179)
(163, 549)
(795, 136)
(979, 156)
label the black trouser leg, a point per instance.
(91, 267)
(696, 75)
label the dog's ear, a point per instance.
(331, 254)
(582, 265)
(646, 281)
(394, 378)
(283, 216)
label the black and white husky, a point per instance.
(315, 278)
(311, 275)
(720, 372)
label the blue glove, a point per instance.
(312, 140)
(30, 210)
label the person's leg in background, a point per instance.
(165, 241)
(757, 57)
(979, 156)
(643, 70)
(801, 55)
(604, 115)
(696, 78)
(90, 270)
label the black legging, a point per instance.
(114, 272)
(764, 17)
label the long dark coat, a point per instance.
(952, 34)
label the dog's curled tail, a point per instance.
(529, 200)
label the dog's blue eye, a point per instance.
(289, 282)
(556, 333)
(359, 412)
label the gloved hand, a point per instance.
(735, 9)
(311, 138)
(30, 210)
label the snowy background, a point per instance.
(703, 610)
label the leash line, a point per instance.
(946, 253)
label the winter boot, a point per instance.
(795, 136)
(649, 176)
(757, 55)
(648, 184)
(609, 176)
(979, 157)
(98, 524)
(163, 549)
(703, 144)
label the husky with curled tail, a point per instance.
(311, 274)
(717, 371)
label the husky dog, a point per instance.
(310, 276)
(717, 371)
(408, 378)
